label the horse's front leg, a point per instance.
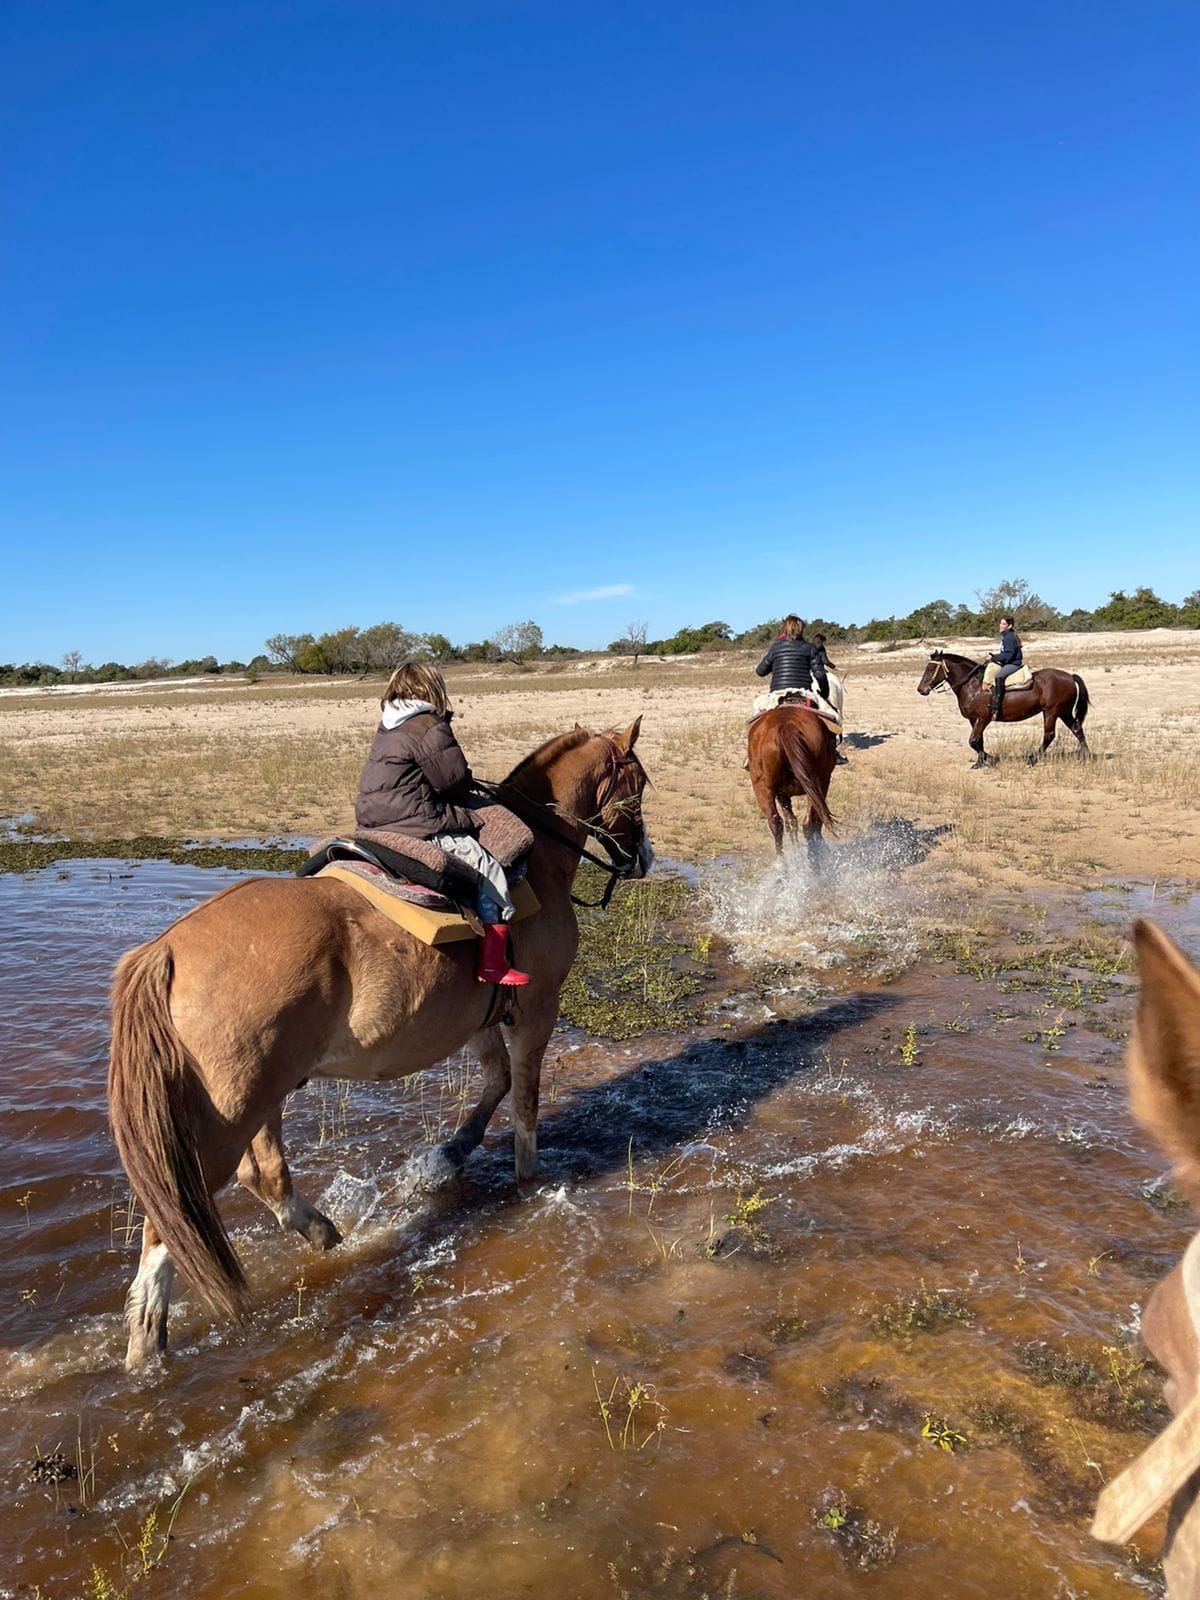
(528, 1042)
(976, 741)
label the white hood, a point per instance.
(398, 711)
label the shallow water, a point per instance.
(642, 1377)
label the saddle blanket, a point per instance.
(427, 915)
(809, 699)
(1015, 680)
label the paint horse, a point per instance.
(275, 981)
(1164, 1069)
(1056, 694)
(792, 755)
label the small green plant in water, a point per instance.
(909, 1053)
(862, 1542)
(926, 1311)
(939, 1432)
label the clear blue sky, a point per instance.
(328, 311)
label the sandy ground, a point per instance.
(248, 759)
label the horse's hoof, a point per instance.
(321, 1232)
(426, 1174)
(1032, 760)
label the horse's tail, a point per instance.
(157, 1106)
(1079, 709)
(799, 758)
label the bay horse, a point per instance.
(275, 981)
(792, 755)
(1056, 694)
(1164, 1073)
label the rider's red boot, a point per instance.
(493, 958)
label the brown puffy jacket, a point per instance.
(414, 775)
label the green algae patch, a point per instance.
(633, 974)
(24, 855)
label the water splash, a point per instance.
(852, 907)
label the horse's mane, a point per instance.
(550, 751)
(949, 655)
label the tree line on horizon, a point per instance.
(381, 647)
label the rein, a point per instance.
(945, 682)
(538, 816)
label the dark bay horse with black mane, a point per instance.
(275, 981)
(1056, 694)
(792, 755)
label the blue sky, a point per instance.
(328, 311)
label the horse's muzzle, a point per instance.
(640, 866)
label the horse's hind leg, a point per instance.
(1077, 729)
(432, 1168)
(490, 1050)
(264, 1171)
(149, 1300)
(789, 818)
(1049, 719)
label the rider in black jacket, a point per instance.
(792, 662)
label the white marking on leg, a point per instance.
(147, 1305)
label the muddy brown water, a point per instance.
(661, 1371)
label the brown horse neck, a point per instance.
(564, 777)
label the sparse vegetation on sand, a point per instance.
(283, 758)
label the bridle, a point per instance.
(539, 815)
(944, 682)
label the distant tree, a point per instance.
(287, 648)
(260, 663)
(231, 668)
(560, 650)
(152, 667)
(519, 642)
(385, 645)
(1141, 609)
(479, 650)
(1015, 598)
(73, 660)
(632, 642)
(439, 647)
(1078, 621)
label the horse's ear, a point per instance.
(1164, 1053)
(579, 728)
(628, 739)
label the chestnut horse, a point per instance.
(275, 981)
(1054, 693)
(792, 754)
(1164, 1070)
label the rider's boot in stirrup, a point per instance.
(493, 958)
(997, 697)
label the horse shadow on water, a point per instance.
(661, 1105)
